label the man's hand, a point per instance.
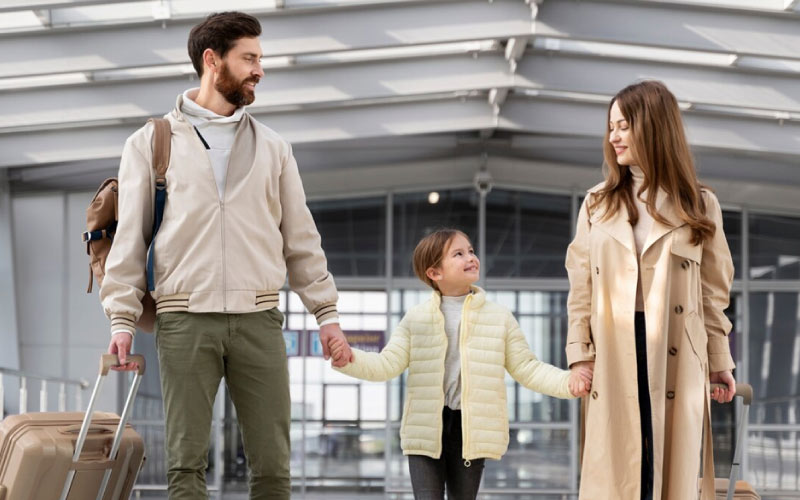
(723, 395)
(580, 378)
(121, 346)
(333, 333)
(337, 348)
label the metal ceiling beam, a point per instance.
(588, 119)
(39, 109)
(16, 5)
(712, 30)
(284, 33)
(364, 121)
(739, 90)
(561, 118)
(723, 86)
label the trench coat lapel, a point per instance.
(617, 225)
(666, 209)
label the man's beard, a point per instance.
(234, 91)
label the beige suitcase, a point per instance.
(70, 456)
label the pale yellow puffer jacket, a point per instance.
(491, 343)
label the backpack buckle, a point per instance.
(161, 184)
(86, 236)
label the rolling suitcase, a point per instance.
(741, 490)
(72, 455)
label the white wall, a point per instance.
(62, 329)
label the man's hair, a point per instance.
(430, 251)
(219, 33)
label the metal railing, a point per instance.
(46, 382)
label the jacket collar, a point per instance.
(475, 300)
(243, 150)
(619, 227)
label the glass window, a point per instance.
(774, 247)
(418, 214)
(774, 357)
(353, 235)
(774, 461)
(723, 416)
(543, 321)
(527, 234)
(732, 225)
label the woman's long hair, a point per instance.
(660, 149)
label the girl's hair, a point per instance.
(660, 149)
(430, 250)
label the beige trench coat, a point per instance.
(685, 289)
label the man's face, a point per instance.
(240, 72)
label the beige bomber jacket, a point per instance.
(211, 254)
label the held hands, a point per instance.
(723, 395)
(580, 378)
(337, 348)
(334, 345)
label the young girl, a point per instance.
(457, 347)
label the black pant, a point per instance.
(645, 414)
(429, 475)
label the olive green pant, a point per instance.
(195, 350)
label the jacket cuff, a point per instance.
(329, 321)
(719, 355)
(326, 312)
(123, 323)
(578, 351)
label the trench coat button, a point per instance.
(685, 264)
(597, 270)
(678, 309)
(673, 351)
(671, 395)
(594, 395)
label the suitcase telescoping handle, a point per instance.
(106, 362)
(745, 391)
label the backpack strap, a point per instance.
(161, 148)
(162, 139)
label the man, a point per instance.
(234, 223)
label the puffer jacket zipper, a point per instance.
(464, 386)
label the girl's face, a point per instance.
(458, 269)
(620, 136)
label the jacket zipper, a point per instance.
(444, 362)
(202, 141)
(464, 391)
(224, 262)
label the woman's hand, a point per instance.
(723, 395)
(580, 378)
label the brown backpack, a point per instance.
(103, 214)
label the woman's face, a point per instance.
(620, 136)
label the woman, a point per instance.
(650, 274)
